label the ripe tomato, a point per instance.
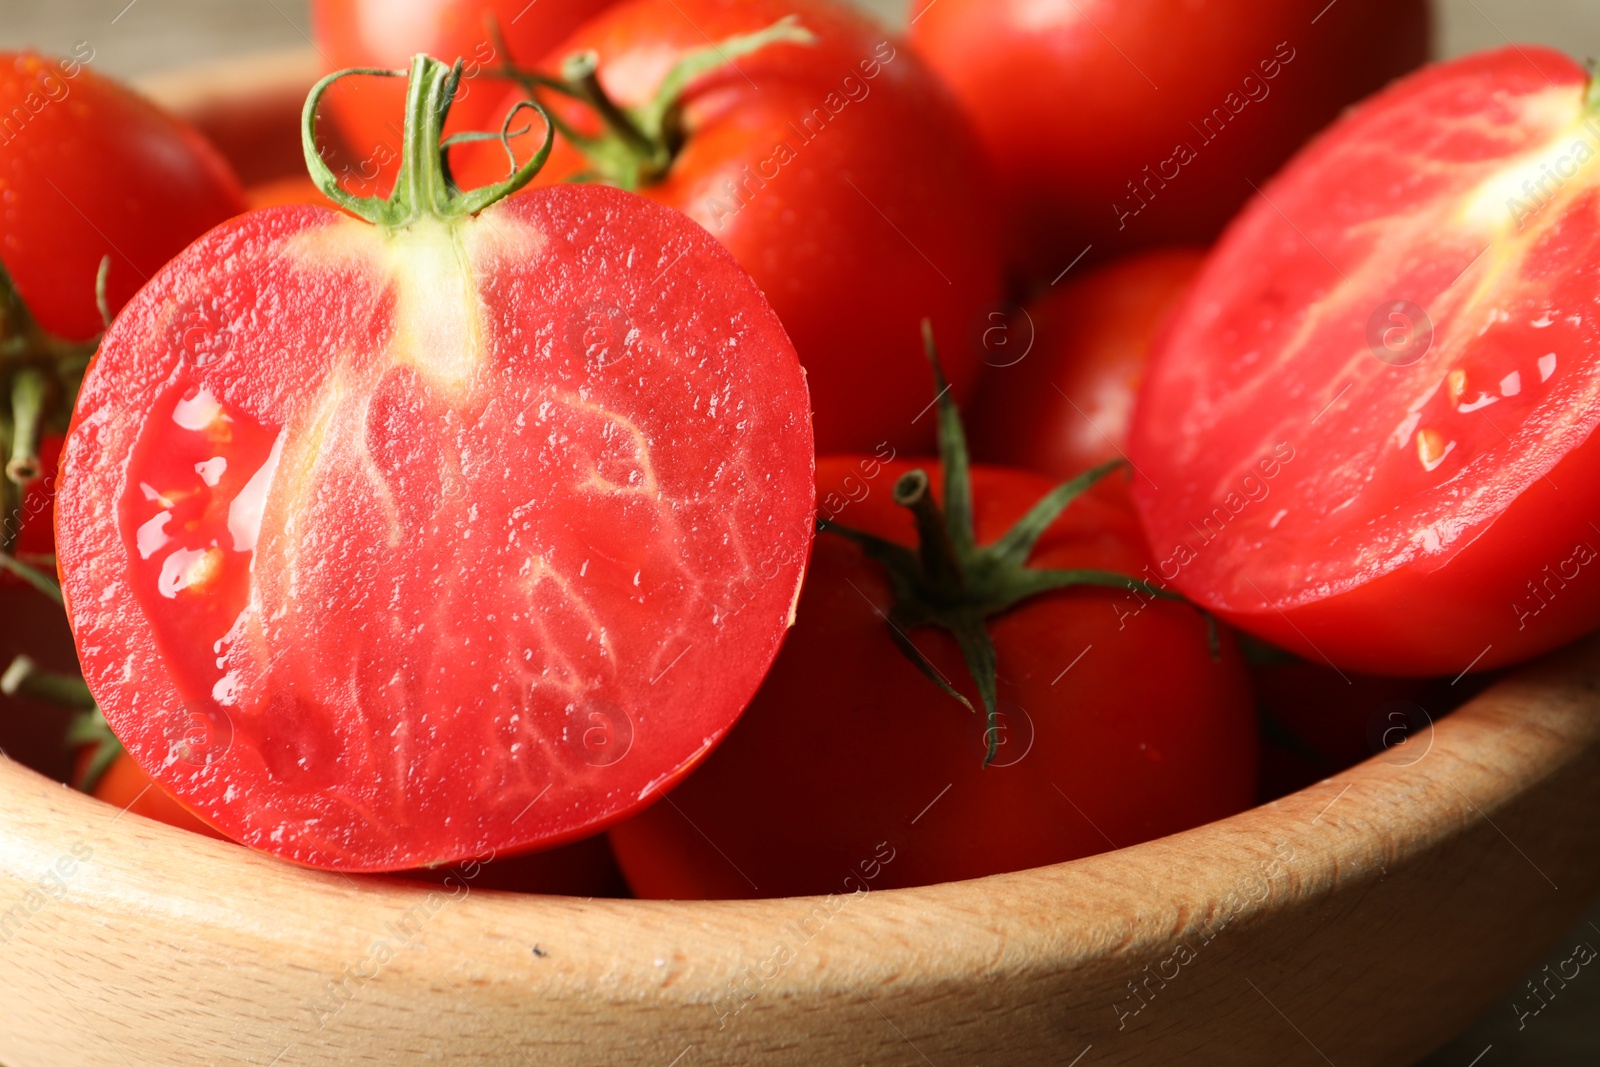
(387, 33)
(839, 174)
(1319, 721)
(1058, 395)
(1397, 501)
(850, 771)
(88, 169)
(485, 533)
(1124, 124)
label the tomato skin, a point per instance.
(1066, 405)
(96, 170)
(1143, 76)
(473, 503)
(386, 34)
(819, 787)
(1393, 510)
(841, 175)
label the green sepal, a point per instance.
(953, 583)
(638, 144)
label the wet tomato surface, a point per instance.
(852, 771)
(839, 173)
(384, 547)
(1368, 432)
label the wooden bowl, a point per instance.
(1363, 920)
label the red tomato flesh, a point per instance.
(1367, 434)
(383, 549)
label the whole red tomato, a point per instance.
(851, 770)
(1063, 373)
(387, 33)
(1368, 431)
(89, 169)
(1129, 123)
(488, 531)
(839, 173)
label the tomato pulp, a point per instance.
(1367, 433)
(839, 173)
(851, 771)
(387, 545)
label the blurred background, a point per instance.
(144, 36)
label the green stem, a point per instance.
(940, 566)
(423, 189)
(30, 392)
(638, 144)
(956, 584)
(26, 678)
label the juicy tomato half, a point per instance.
(1176, 106)
(1058, 394)
(852, 771)
(89, 169)
(1367, 433)
(386, 547)
(838, 172)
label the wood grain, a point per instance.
(1361, 921)
(1403, 899)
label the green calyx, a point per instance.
(636, 145)
(423, 188)
(952, 582)
(39, 378)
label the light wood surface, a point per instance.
(1404, 897)
(1361, 921)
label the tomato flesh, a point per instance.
(1367, 434)
(385, 549)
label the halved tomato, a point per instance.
(1368, 435)
(385, 545)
